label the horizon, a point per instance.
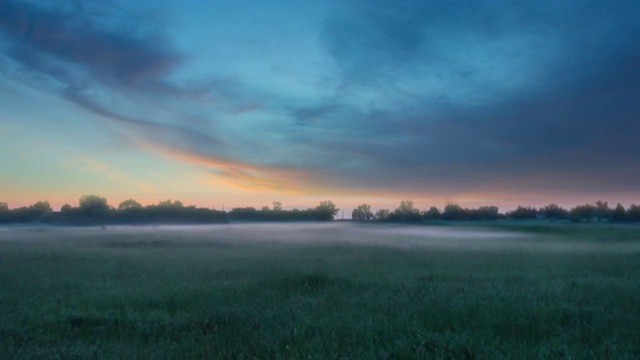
(342, 214)
(211, 103)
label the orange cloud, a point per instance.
(241, 175)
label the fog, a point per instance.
(470, 238)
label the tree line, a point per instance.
(408, 213)
(94, 209)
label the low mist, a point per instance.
(463, 238)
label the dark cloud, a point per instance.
(79, 38)
(577, 119)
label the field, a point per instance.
(336, 290)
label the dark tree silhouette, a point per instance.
(326, 211)
(41, 207)
(432, 214)
(483, 213)
(582, 212)
(554, 212)
(406, 212)
(382, 214)
(246, 214)
(5, 213)
(406, 207)
(453, 212)
(93, 203)
(362, 213)
(633, 214)
(523, 213)
(93, 209)
(602, 211)
(619, 214)
(129, 204)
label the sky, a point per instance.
(241, 103)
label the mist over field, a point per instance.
(489, 237)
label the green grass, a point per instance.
(83, 293)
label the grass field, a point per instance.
(339, 290)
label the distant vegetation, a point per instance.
(323, 212)
(93, 209)
(408, 213)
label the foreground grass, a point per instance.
(115, 294)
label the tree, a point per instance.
(167, 211)
(93, 205)
(129, 204)
(171, 205)
(523, 213)
(362, 213)
(65, 208)
(41, 207)
(5, 214)
(582, 212)
(382, 214)
(602, 210)
(277, 206)
(619, 214)
(553, 211)
(453, 212)
(406, 207)
(633, 213)
(245, 214)
(488, 212)
(326, 210)
(406, 212)
(93, 202)
(432, 214)
(38, 209)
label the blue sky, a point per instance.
(246, 102)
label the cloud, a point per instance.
(446, 97)
(469, 95)
(149, 130)
(243, 175)
(80, 38)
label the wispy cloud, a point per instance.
(240, 174)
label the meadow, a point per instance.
(502, 290)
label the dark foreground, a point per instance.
(321, 291)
